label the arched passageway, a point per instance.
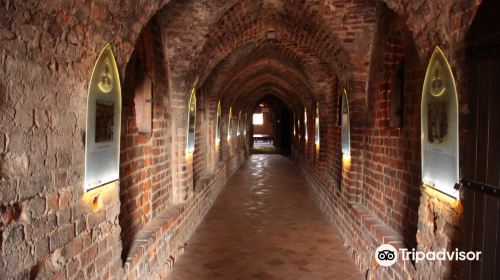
(382, 109)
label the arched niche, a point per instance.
(439, 126)
(104, 105)
(345, 128)
(191, 123)
(218, 123)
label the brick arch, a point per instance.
(259, 92)
(451, 16)
(295, 29)
(247, 57)
(265, 79)
(245, 82)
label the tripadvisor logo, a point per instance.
(387, 255)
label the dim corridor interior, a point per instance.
(265, 225)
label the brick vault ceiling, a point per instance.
(241, 50)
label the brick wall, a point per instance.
(392, 154)
(305, 51)
(391, 206)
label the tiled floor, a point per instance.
(265, 225)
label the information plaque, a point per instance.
(102, 143)
(191, 123)
(229, 124)
(218, 123)
(439, 126)
(316, 126)
(305, 125)
(345, 127)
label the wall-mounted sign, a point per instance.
(316, 125)
(305, 125)
(191, 122)
(439, 126)
(229, 124)
(345, 127)
(104, 105)
(239, 124)
(218, 124)
(245, 125)
(298, 127)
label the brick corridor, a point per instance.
(265, 225)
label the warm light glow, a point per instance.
(441, 196)
(346, 159)
(258, 119)
(95, 198)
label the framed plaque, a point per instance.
(305, 125)
(104, 105)
(345, 127)
(439, 126)
(316, 126)
(229, 124)
(191, 122)
(239, 124)
(218, 123)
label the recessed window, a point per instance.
(258, 119)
